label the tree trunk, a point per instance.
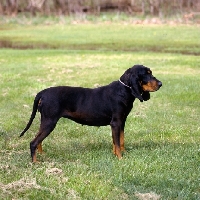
(1, 9)
(12, 7)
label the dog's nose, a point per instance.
(159, 83)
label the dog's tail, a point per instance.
(36, 105)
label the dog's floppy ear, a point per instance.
(146, 96)
(126, 77)
(130, 78)
(136, 88)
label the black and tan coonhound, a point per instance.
(106, 105)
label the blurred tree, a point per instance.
(66, 7)
(1, 9)
(12, 7)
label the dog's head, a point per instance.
(141, 81)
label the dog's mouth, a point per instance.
(151, 86)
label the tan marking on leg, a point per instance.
(39, 147)
(122, 141)
(118, 152)
(34, 158)
(39, 103)
(116, 148)
(114, 151)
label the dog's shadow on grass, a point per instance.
(77, 149)
(89, 147)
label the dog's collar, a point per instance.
(124, 84)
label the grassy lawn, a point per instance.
(162, 158)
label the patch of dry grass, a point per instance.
(147, 196)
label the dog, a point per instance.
(102, 106)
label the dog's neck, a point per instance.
(124, 84)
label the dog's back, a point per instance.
(82, 105)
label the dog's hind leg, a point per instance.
(39, 147)
(46, 128)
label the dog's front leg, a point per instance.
(115, 126)
(122, 140)
(122, 148)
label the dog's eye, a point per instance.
(149, 72)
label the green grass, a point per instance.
(161, 135)
(104, 36)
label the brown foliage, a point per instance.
(67, 7)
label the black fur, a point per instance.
(106, 105)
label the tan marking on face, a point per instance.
(150, 86)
